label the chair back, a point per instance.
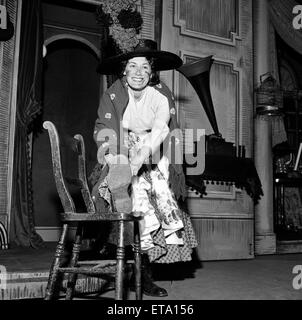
(77, 146)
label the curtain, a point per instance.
(278, 128)
(281, 15)
(22, 229)
(158, 16)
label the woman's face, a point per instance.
(138, 71)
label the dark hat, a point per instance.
(163, 60)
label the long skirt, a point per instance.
(166, 231)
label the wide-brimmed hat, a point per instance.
(163, 60)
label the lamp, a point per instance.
(269, 97)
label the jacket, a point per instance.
(110, 113)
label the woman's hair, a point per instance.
(154, 77)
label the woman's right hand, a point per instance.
(138, 159)
(102, 152)
(136, 164)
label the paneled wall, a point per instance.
(224, 219)
(208, 19)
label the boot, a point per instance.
(149, 288)
(119, 180)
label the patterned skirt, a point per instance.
(166, 231)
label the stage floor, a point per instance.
(28, 259)
(264, 277)
(25, 273)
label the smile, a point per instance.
(138, 79)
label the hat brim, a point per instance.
(163, 60)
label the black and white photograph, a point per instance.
(150, 150)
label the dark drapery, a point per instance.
(224, 168)
(22, 230)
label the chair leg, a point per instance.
(54, 272)
(72, 278)
(137, 262)
(120, 267)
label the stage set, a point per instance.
(240, 82)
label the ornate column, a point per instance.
(265, 239)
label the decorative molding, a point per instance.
(72, 37)
(53, 33)
(205, 36)
(223, 238)
(235, 70)
(221, 206)
(221, 215)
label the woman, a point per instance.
(135, 118)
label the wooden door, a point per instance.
(224, 219)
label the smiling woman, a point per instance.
(135, 117)
(137, 72)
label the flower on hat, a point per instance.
(123, 20)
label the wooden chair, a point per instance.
(99, 268)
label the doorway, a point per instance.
(70, 100)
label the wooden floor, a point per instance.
(27, 271)
(264, 277)
(28, 259)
